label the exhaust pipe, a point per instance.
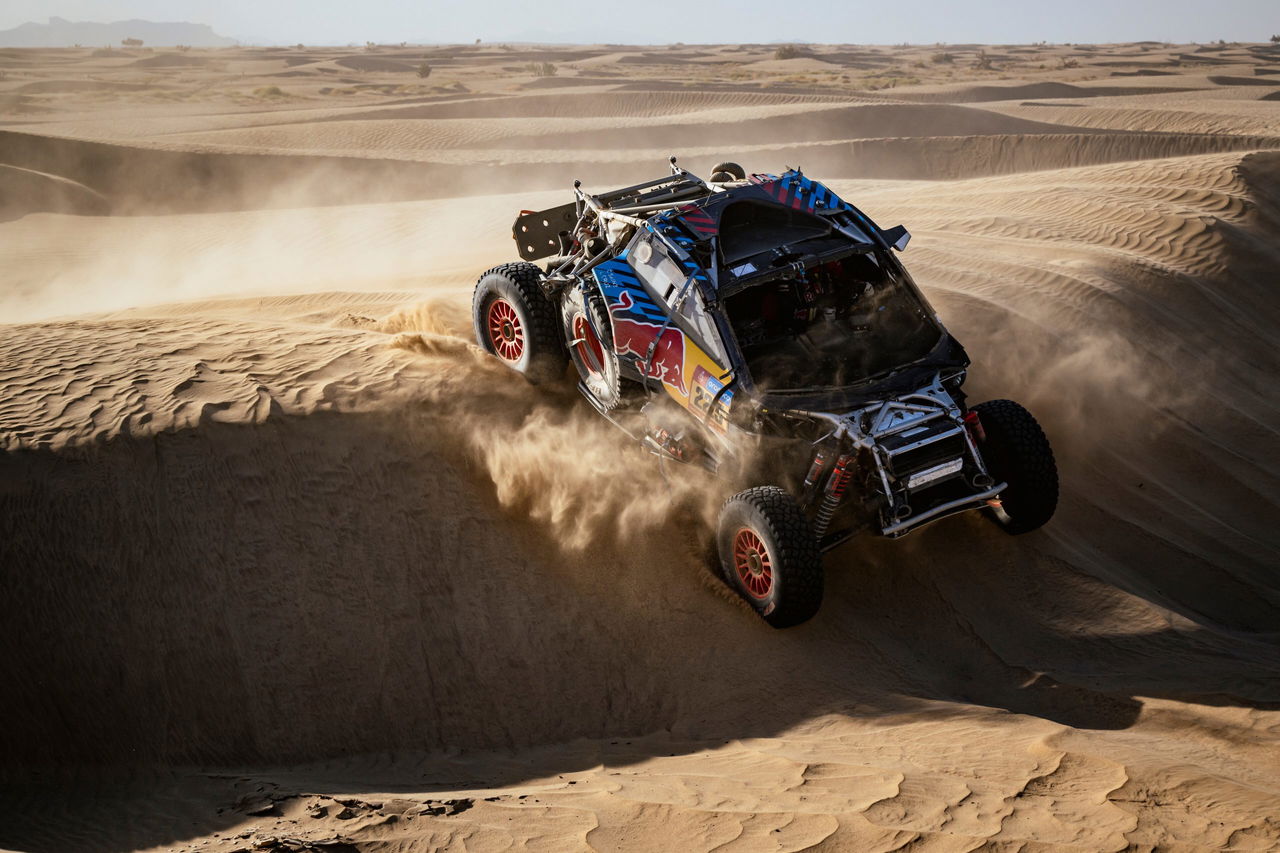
(901, 511)
(983, 481)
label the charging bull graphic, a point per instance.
(633, 336)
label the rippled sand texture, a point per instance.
(284, 556)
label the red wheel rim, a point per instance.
(505, 332)
(751, 561)
(590, 350)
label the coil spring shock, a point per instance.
(834, 493)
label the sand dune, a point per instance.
(1254, 118)
(24, 191)
(754, 125)
(286, 556)
(386, 161)
(978, 94)
(620, 104)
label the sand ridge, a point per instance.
(288, 561)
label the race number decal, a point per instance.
(705, 389)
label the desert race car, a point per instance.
(762, 327)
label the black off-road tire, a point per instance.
(731, 168)
(1017, 451)
(589, 341)
(530, 344)
(768, 522)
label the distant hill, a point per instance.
(62, 33)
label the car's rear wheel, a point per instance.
(1017, 452)
(515, 321)
(590, 342)
(769, 555)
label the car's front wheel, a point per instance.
(515, 321)
(1017, 452)
(769, 555)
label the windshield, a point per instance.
(830, 326)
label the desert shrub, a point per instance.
(131, 42)
(542, 69)
(1275, 39)
(983, 62)
(268, 92)
(943, 58)
(887, 82)
(424, 71)
(789, 51)
(1068, 62)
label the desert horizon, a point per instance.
(290, 562)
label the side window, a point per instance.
(695, 312)
(650, 259)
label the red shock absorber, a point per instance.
(815, 470)
(836, 486)
(974, 425)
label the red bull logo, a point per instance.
(634, 338)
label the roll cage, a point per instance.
(669, 230)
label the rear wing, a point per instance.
(544, 233)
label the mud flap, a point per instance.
(537, 232)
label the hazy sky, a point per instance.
(661, 21)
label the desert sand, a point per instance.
(288, 561)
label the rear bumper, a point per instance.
(974, 501)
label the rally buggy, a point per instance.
(762, 327)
